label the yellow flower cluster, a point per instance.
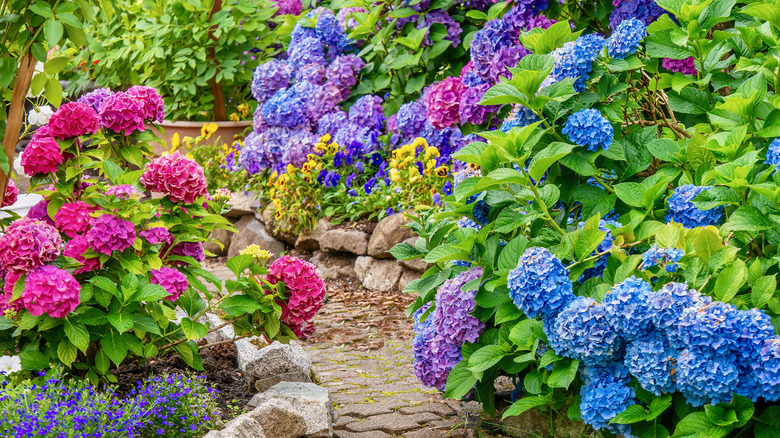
(259, 255)
(403, 160)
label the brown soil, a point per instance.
(221, 374)
(364, 225)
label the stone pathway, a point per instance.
(362, 352)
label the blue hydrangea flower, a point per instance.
(519, 116)
(645, 11)
(582, 331)
(769, 374)
(466, 222)
(308, 51)
(452, 314)
(269, 77)
(651, 360)
(494, 49)
(605, 245)
(539, 285)
(286, 108)
(625, 38)
(666, 256)
(575, 60)
(706, 377)
(714, 327)
(683, 211)
(773, 152)
(482, 212)
(627, 308)
(604, 395)
(331, 123)
(588, 128)
(668, 305)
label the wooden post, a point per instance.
(216, 87)
(16, 115)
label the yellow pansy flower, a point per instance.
(207, 129)
(442, 171)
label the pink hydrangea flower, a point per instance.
(684, 66)
(177, 176)
(72, 120)
(122, 113)
(442, 102)
(171, 280)
(306, 288)
(157, 235)
(11, 194)
(153, 105)
(110, 233)
(292, 7)
(124, 191)
(75, 249)
(42, 155)
(49, 289)
(189, 249)
(8, 292)
(74, 218)
(28, 244)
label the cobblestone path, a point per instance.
(362, 352)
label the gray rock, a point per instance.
(311, 401)
(213, 321)
(243, 426)
(311, 241)
(276, 363)
(247, 351)
(343, 240)
(375, 274)
(279, 230)
(242, 205)
(279, 419)
(389, 232)
(407, 276)
(222, 236)
(331, 267)
(415, 264)
(213, 434)
(250, 232)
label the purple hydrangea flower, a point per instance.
(110, 233)
(367, 112)
(452, 315)
(443, 18)
(331, 123)
(645, 11)
(96, 97)
(268, 78)
(470, 110)
(157, 235)
(685, 66)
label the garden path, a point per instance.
(362, 353)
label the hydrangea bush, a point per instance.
(625, 229)
(99, 272)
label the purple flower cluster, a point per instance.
(439, 337)
(110, 233)
(645, 11)
(685, 66)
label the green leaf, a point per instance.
(122, 321)
(114, 347)
(707, 243)
(145, 323)
(53, 91)
(67, 352)
(77, 333)
(508, 312)
(107, 285)
(503, 93)
(698, 425)
(663, 149)
(547, 157)
(511, 253)
(194, 330)
(658, 406)
(55, 65)
(763, 290)
(587, 242)
(444, 253)
(52, 31)
(555, 37)
(405, 251)
(563, 374)
(729, 281)
(150, 292)
(720, 415)
(655, 431)
(632, 414)
(525, 404)
(660, 45)
(749, 218)
(768, 424)
(239, 304)
(460, 381)
(238, 264)
(33, 360)
(485, 357)
(42, 8)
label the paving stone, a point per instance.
(372, 434)
(392, 423)
(440, 409)
(428, 433)
(342, 421)
(363, 410)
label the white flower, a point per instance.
(10, 364)
(40, 115)
(18, 166)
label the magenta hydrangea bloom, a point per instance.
(452, 315)
(177, 176)
(306, 288)
(72, 120)
(189, 249)
(74, 218)
(291, 7)
(443, 103)
(49, 289)
(684, 66)
(153, 106)
(123, 191)
(122, 113)
(28, 244)
(8, 293)
(157, 235)
(110, 233)
(75, 249)
(173, 281)
(40, 211)
(11, 194)
(42, 155)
